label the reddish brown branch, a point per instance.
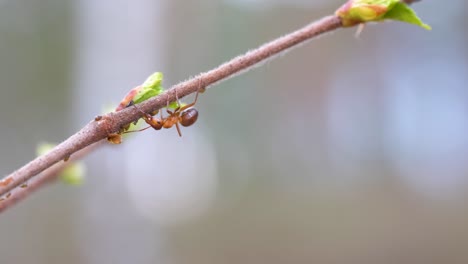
(45, 177)
(96, 131)
(111, 123)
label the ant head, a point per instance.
(188, 117)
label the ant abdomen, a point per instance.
(188, 117)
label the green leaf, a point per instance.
(150, 88)
(44, 147)
(174, 105)
(73, 174)
(356, 12)
(402, 12)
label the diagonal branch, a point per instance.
(95, 131)
(99, 129)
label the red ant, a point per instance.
(185, 115)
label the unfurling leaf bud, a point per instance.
(356, 12)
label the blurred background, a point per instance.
(342, 151)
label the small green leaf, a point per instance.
(153, 81)
(73, 174)
(402, 12)
(174, 105)
(356, 12)
(150, 88)
(44, 147)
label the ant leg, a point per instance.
(162, 118)
(178, 129)
(145, 116)
(178, 105)
(153, 122)
(167, 107)
(139, 130)
(201, 85)
(196, 97)
(177, 97)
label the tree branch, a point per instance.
(99, 129)
(46, 177)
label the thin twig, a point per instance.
(111, 123)
(99, 129)
(45, 177)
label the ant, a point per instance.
(185, 115)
